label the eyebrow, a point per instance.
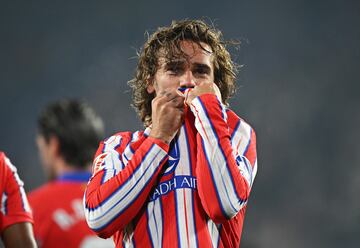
(181, 63)
(174, 63)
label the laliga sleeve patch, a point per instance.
(99, 162)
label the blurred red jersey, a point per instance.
(14, 205)
(59, 215)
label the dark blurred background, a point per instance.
(299, 88)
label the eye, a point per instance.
(174, 70)
(202, 71)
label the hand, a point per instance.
(203, 88)
(167, 114)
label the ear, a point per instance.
(150, 86)
(54, 146)
(47, 150)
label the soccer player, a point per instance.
(15, 214)
(68, 134)
(185, 180)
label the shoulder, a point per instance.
(120, 140)
(43, 192)
(2, 162)
(238, 124)
(2, 173)
(2, 155)
(7, 169)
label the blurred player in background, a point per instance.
(185, 181)
(68, 134)
(15, 214)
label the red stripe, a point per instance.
(141, 236)
(251, 151)
(202, 125)
(170, 239)
(206, 185)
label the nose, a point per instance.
(187, 80)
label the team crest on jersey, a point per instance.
(99, 162)
(174, 157)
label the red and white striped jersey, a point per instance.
(13, 202)
(192, 193)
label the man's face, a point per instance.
(197, 67)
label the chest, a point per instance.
(182, 154)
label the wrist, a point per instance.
(161, 136)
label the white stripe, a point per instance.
(159, 220)
(3, 203)
(223, 110)
(147, 131)
(235, 139)
(20, 183)
(155, 222)
(122, 198)
(112, 162)
(218, 164)
(190, 217)
(135, 136)
(185, 165)
(127, 154)
(180, 216)
(181, 170)
(246, 170)
(243, 135)
(214, 233)
(152, 225)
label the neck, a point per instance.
(61, 167)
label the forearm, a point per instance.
(19, 235)
(223, 187)
(112, 204)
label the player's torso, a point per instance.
(59, 217)
(173, 215)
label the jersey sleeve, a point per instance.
(14, 204)
(125, 169)
(226, 159)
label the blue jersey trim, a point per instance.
(75, 176)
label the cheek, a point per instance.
(166, 82)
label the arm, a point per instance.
(19, 235)
(122, 181)
(16, 218)
(224, 172)
(125, 172)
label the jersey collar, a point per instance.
(77, 176)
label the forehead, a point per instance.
(190, 51)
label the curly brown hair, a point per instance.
(165, 41)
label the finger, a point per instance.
(175, 95)
(176, 103)
(179, 104)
